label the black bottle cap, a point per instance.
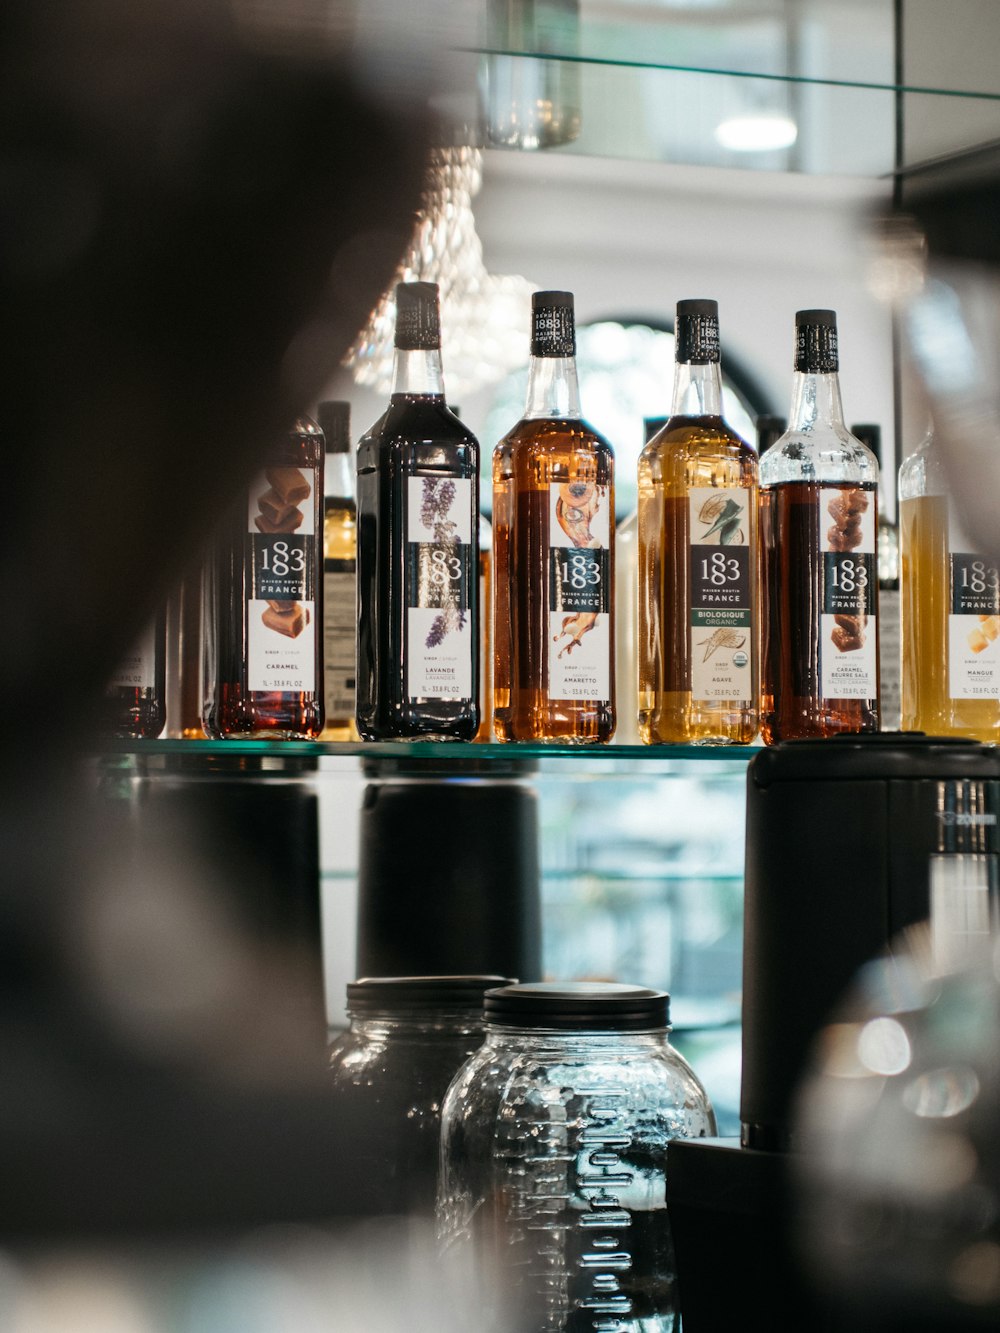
(578, 1006)
(553, 327)
(418, 321)
(868, 433)
(335, 422)
(652, 426)
(769, 428)
(696, 332)
(403, 995)
(816, 342)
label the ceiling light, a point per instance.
(756, 134)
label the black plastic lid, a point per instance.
(578, 1006)
(335, 422)
(652, 426)
(769, 429)
(696, 332)
(870, 434)
(893, 755)
(553, 326)
(418, 322)
(404, 995)
(816, 342)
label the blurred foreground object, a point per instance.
(938, 263)
(899, 1178)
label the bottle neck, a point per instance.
(417, 372)
(553, 390)
(338, 476)
(815, 402)
(697, 389)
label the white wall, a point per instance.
(633, 238)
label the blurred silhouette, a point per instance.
(197, 215)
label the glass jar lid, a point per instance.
(578, 1006)
(371, 995)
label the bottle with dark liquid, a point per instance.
(418, 548)
(887, 563)
(135, 701)
(266, 635)
(553, 553)
(698, 627)
(340, 574)
(819, 524)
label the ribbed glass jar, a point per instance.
(408, 1037)
(552, 1196)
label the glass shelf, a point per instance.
(451, 756)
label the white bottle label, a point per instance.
(848, 629)
(579, 592)
(340, 630)
(721, 580)
(137, 669)
(281, 610)
(973, 621)
(439, 642)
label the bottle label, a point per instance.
(579, 592)
(281, 610)
(137, 669)
(439, 642)
(973, 623)
(848, 631)
(340, 630)
(719, 550)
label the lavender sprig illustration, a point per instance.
(437, 497)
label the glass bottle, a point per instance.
(407, 1039)
(553, 553)
(266, 639)
(418, 547)
(698, 558)
(950, 610)
(185, 655)
(485, 732)
(552, 1196)
(887, 563)
(340, 593)
(134, 705)
(819, 519)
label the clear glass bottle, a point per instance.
(950, 610)
(340, 574)
(698, 558)
(819, 520)
(553, 553)
(552, 1197)
(407, 1039)
(266, 640)
(418, 547)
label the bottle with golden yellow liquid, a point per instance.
(950, 607)
(698, 558)
(340, 593)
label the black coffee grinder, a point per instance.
(846, 840)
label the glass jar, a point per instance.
(552, 1196)
(408, 1037)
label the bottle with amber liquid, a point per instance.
(819, 525)
(266, 635)
(418, 547)
(134, 704)
(950, 610)
(553, 553)
(698, 624)
(340, 576)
